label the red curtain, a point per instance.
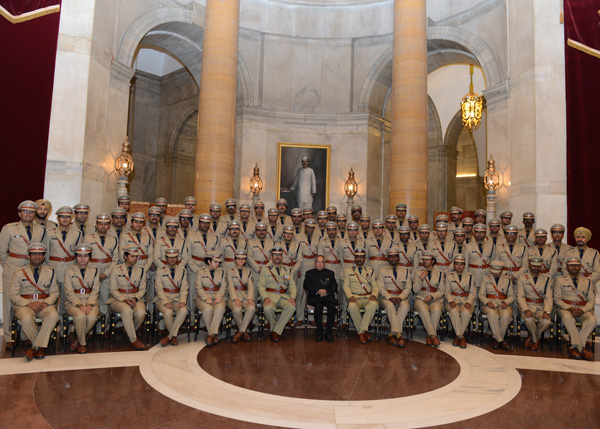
(28, 52)
(583, 114)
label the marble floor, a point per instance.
(300, 383)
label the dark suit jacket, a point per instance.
(315, 280)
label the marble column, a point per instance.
(215, 154)
(408, 168)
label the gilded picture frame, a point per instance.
(289, 160)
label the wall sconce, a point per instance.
(123, 167)
(256, 186)
(491, 181)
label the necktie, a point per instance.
(212, 274)
(287, 247)
(425, 246)
(535, 279)
(240, 271)
(308, 238)
(332, 245)
(129, 271)
(64, 236)
(278, 273)
(392, 234)
(365, 235)
(102, 240)
(36, 274)
(581, 253)
(154, 232)
(541, 250)
(460, 249)
(281, 219)
(395, 273)
(353, 245)
(273, 230)
(480, 248)
(172, 242)
(442, 243)
(575, 282)
(235, 243)
(28, 231)
(262, 243)
(231, 217)
(378, 242)
(185, 233)
(405, 248)
(204, 238)
(342, 234)
(297, 230)
(557, 248)
(82, 273)
(359, 270)
(429, 274)
(173, 273)
(244, 223)
(510, 246)
(82, 229)
(118, 233)
(414, 235)
(460, 278)
(215, 225)
(527, 234)
(138, 237)
(494, 240)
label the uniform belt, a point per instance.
(429, 289)
(443, 264)
(310, 257)
(406, 264)
(261, 263)
(288, 264)
(211, 289)
(586, 274)
(197, 258)
(362, 294)
(395, 292)
(17, 256)
(377, 258)
(229, 260)
(496, 296)
(348, 261)
(172, 290)
(66, 259)
(242, 288)
(511, 269)
(332, 262)
(142, 257)
(575, 303)
(83, 291)
(277, 291)
(559, 270)
(481, 267)
(460, 294)
(36, 296)
(534, 300)
(132, 290)
(101, 261)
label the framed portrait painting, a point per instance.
(303, 175)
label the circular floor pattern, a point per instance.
(344, 370)
(483, 385)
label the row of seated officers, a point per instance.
(300, 242)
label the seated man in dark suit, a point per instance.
(320, 286)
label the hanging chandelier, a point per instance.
(471, 107)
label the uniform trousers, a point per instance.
(300, 297)
(362, 322)
(132, 318)
(318, 303)
(38, 337)
(499, 319)
(7, 274)
(588, 324)
(536, 325)
(287, 311)
(104, 295)
(150, 289)
(430, 314)
(396, 314)
(212, 314)
(83, 324)
(173, 324)
(242, 313)
(460, 317)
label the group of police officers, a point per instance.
(130, 262)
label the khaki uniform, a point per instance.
(14, 243)
(348, 249)
(431, 312)
(82, 291)
(502, 291)
(165, 243)
(211, 287)
(117, 232)
(227, 218)
(227, 247)
(535, 296)
(247, 229)
(562, 251)
(377, 252)
(495, 240)
(258, 256)
(309, 254)
(567, 295)
(23, 290)
(393, 236)
(515, 261)
(46, 223)
(105, 258)
(414, 236)
(84, 228)
(174, 291)
(362, 286)
(443, 252)
(396, 284)
(284, 219)
(144, 245)
(479, 260)
(460, 290)
(275, 232)
(122, 286)
(62, 253)
(452, 226)
(199, 245)
(218, 228)
(279, 286)
(590, 263)
(241, 288)
(526, 238)
(186, 233)
(365, 234)
(550, 264)
(292, 257)
(154, 232)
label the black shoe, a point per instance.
(329, 338)
(319, 338)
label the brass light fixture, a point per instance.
(124, 162)
(491, 180)
(256, 183)
(471, 107)
(351, 187)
